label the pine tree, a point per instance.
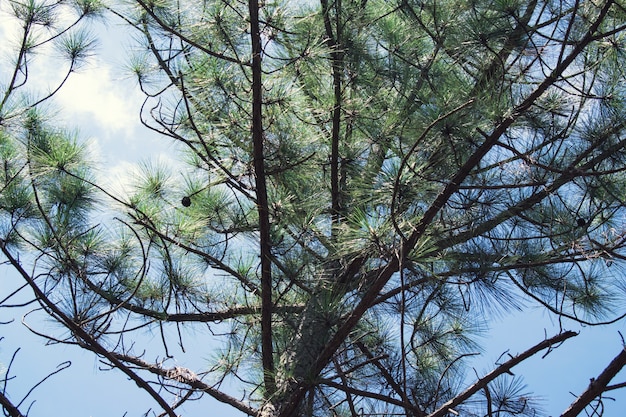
(364, 185)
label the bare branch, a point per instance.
(9, 407)
(597, 386)
(502, 369)
(189, 378)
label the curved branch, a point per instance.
(89, 342)
(560, 313)
(184, 38)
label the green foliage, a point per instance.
(428, 165)
(32, 12)
(77, 46)
(89, 7)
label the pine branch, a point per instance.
(379, 277)
(500, 370)
(145, 6)
(185, 376)
(390, 379)
(597, 386)
(9, 407)
(368, 394)
(490, 141)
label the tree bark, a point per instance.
(597, 386)
(8, 407)
(262, 202)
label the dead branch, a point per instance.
(187, 377)
(502, 369)
(597, 386)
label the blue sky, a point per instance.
(103, 103)
(567, 370)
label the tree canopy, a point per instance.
(362, 186)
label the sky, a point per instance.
(103, 103)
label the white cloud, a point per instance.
(98, 100)
(8, 30)
(93, 93)
(94, 99)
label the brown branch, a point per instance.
(185, 376)
(489, 401)
(405, 159)
(616, 386)
(8, 406)
(368, 394)
(20, 62)
(229, 313)
(346, 385)
(597, 386)
(502, 369)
